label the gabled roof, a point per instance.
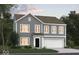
(44, 19)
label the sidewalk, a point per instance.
(66, 50)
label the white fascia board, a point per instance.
(21, 18)
(16, 27)
(54, 24)
(38, 20)
(52, 36)
(26, 15)
(65, 29)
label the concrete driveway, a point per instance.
(66, 50)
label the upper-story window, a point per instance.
(46, 28)
(37, 28)
(61, 29)
(53, 29)
(25, 28)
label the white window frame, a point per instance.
(28, 41)
(59, 30)
(39, 28)
(28, 27)
(54, 28)
(48, 29)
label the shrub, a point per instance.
(76, 47)
(27, 46)
(44, 48)
(16, 47)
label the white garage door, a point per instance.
(54, 42)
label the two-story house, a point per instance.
(40, 31)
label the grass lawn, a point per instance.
(30, 50)
(76, 47)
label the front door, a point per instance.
(36, 42)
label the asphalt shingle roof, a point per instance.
(48, 19)
(17, 16)
(45, 19)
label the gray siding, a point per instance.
(32, 27)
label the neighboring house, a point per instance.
(40, 31)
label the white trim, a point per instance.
(54, 24)
(28, 27)
(65, 29)
(21, 18)
(65, 35)
(38, 20)
(35, 42)
(65, 42)
(26, 15)
(43, 42)
(53, 36)
(16, 27)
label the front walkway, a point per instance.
(66, 50)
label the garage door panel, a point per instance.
(54, 42)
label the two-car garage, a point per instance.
(50, 42)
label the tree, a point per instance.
(72, 22)
(4, 8)
(13, 39)
(10, 37)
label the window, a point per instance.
(29, 18)
(24, 41)
(61, 29)
(25, 28)
(37, 28)
(53, 29)
(46, 29)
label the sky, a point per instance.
(56, 10)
